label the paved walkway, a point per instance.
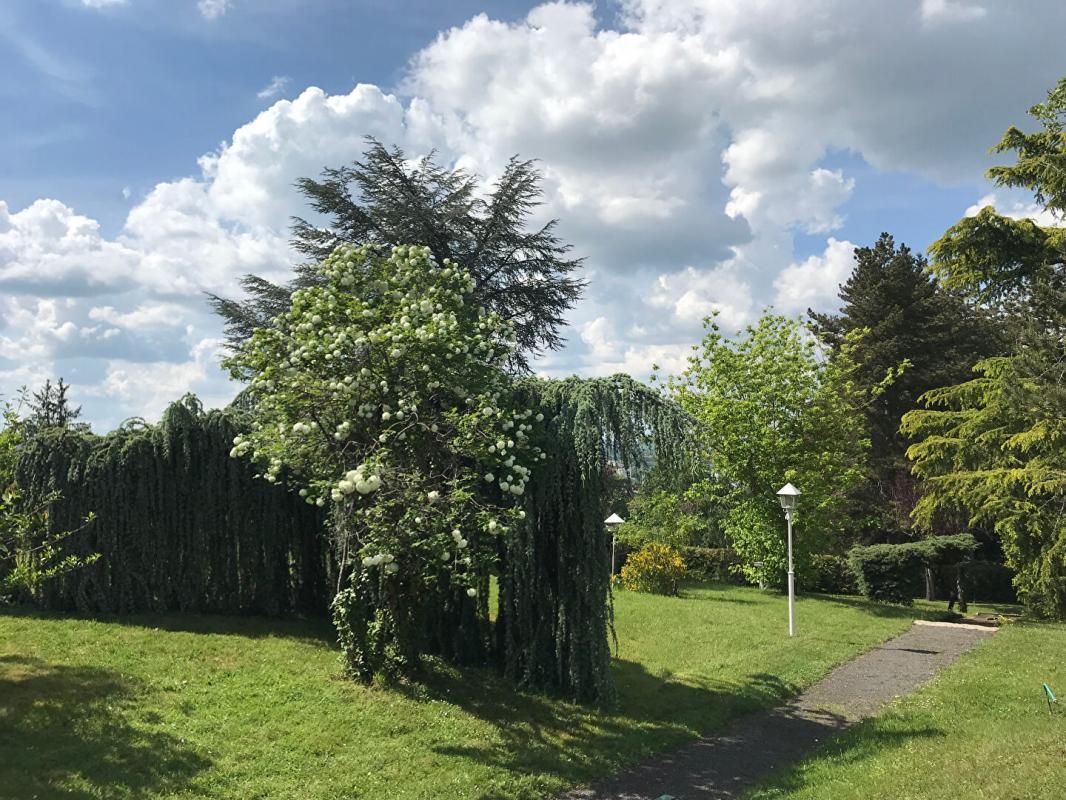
(725, 765)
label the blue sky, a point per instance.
(703, 155)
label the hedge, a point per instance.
(892, 573)
(180, 526)
(830, 574)
(718, 564)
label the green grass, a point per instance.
(980, 730)
(222, 707)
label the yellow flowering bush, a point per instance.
(655, 568)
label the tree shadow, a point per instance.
(566, 744)
(312, 629)
(63, 734)
(862, 742)
(890, 610)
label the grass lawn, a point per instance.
(223, 707)
(979, 730)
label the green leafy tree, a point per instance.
(382, 393)
(691, 517)
(524, 275)
(911, 320)
(773, 409)
(994, 447)
(30, 552)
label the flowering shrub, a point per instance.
(383, 394)
(655, 568)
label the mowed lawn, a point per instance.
(981, 730)
(224, 707)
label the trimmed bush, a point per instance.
(718, 564)
(892, 573)
(829, 574)
(655, 568)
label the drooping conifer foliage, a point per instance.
(555, 614)
(523, 275)
(178, 524)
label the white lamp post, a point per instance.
(789, 496)
(612, 522)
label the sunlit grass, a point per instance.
(980, 730)
(224, 707)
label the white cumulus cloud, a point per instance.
(682, 148)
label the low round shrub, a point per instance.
(655, 568)
(830, 574)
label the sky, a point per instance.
(701, 155)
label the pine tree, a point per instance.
(911, 320)
(51, 408)
(523, 275)
(994, 447)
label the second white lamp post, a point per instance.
(612, 522)
(789, 496)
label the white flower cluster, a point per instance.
(405, 375)
(388, 559)
(356, 480)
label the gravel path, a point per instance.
(723, 766)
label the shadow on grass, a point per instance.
(863, 742)
(890, 610)
(62, 734)
(314, 629)
(569, 744)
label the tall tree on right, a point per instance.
(994, 446)
(906, 318)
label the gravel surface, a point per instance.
(725, 765)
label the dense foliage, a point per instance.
(179, 525)
(690, 517)
(31, 550)
(891, 573)
(523, 275)
(906, 318)
(774, 410)
(994, 447)
(831, 574)
(554, 586)
(382, 392)
(718, 564)
(654, 568)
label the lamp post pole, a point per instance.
(612, 522)
(788, 495)
(791, 579)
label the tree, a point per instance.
(910, 319)
(994, 446)
(774, 410)
(381, 392)
(687, 518)
(51, 408)
(523, 275)
(30, 553)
